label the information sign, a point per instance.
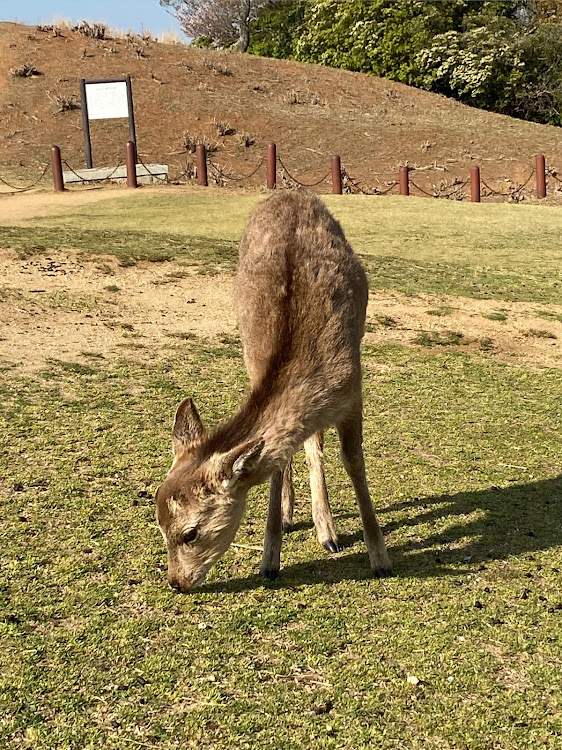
(107, 101)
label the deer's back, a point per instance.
(300, 294)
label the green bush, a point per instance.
(502, 55)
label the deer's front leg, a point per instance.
(271, 559)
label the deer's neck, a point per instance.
(269, 414)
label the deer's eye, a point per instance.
(189, 536)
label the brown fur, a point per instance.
(301, 296)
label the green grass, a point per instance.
(463, 457)
(461, 649)
(441, 311)
(497, 315)
(128, 246)
(539, 333)
(438, 338)
(495, 251)
(549, 315)
(63, 300)
(184, 335)
(380, 321)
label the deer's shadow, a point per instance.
(515, 520)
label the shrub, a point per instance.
(93, 31)
(246, 140)
(292, 97)
(189, 142)
(64, 103)
(539, 333)
(222, 127)
(218, 68)
(27, 70)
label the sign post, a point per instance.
(105, 100)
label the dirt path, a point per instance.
(60, 307)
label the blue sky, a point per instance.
(120, 14)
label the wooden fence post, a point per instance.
(540, 176)
(131, 162)
(336, 175)
(201, 153)
(56, 167)
(271, 165)
(475, 184)
(404, 180)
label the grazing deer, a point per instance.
(300, 296)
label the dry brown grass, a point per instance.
(303, 97)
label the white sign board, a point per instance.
(107, 100)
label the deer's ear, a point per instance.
(188, 428)
(239, 464)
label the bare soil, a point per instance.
(375, 125)
(522, 338)
(62, 307)
(59, 307)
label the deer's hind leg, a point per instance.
(271, 558)
(321, 511)
(287, 497)
(351, 438)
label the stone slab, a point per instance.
(151, 171)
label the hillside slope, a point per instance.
(374, 124)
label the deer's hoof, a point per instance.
(332, 546)
(287, 527)
(269, 573)
(382, 572)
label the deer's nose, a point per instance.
(174, 584)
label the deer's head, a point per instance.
(200, 505)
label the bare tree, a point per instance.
(224, 22)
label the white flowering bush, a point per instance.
(473, 66)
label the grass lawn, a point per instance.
(461, 649)
(496, 251)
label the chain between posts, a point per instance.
(437, 193)
(347, 179)
(97, 179)
(222, 176)
(492, 191)
(385, 192)
(431, 195)
(459, 185)
(152, 174)
(302, 184)
(511, 192)
(526, 181)
(28, 187)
